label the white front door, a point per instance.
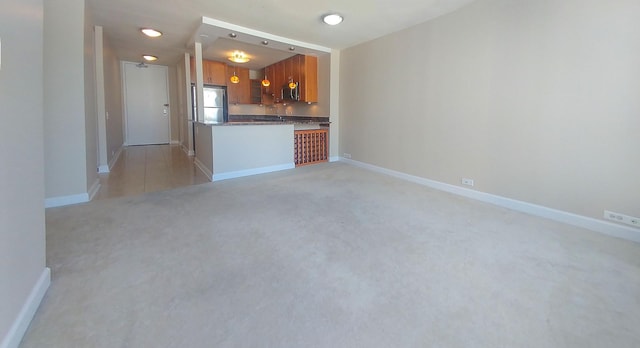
(146, 104)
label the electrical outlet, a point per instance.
(346, 155)
(468, 182)
(621, 218)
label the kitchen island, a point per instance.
(235, 149)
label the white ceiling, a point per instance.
(182, 21)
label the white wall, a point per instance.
(113, 99)
(64, 100)
(535, 100)
(22, 238)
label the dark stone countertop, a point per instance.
(277, 118)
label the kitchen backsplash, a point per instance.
(298, 109)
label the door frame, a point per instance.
(123, 63)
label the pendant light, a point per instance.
(234, 78)
(266, 82)
(292, 84)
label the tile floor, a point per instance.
(149, 168)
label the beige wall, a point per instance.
(182, 104)
(90, 107)
(64, 100)
(535, 100)
(113, 99)
(22, 239)
(203, 138)
(173, 104)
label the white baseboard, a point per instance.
(103, 169)
(115, 157)
(189, 153)
(203, 168)
(73, 199)
(94, 189)
(174, 142)
(601, 226)
(334, 158)
(66, 200)
(29, 308)
(253, 171)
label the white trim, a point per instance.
(334, 158)
(174, 142)
(115, 157)
(29, 308)
(94, 189)
(66, 200)
(253, 171)
(203, 168)
(103, 169)
(605, 227)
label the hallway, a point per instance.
(149, 168)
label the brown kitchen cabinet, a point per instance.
(213, 73)
(308, 66)
(238, 93)
(299, 68)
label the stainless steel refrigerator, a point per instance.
(215, 104)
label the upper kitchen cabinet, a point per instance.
(300, 69)
(213, 73)
(308, 66)
(238, 93)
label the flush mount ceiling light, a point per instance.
(149, 57)
(265, 42)
(233, 35)
(332, 19)
(239, 57)
(292, 48)
(150, 32)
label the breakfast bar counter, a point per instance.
(225, 152)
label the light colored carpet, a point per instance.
(329, 256)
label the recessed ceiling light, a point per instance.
(265, 42)
(332, 19)
(292, 48)
(151, 32)
(233, 35)
(149, 57)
